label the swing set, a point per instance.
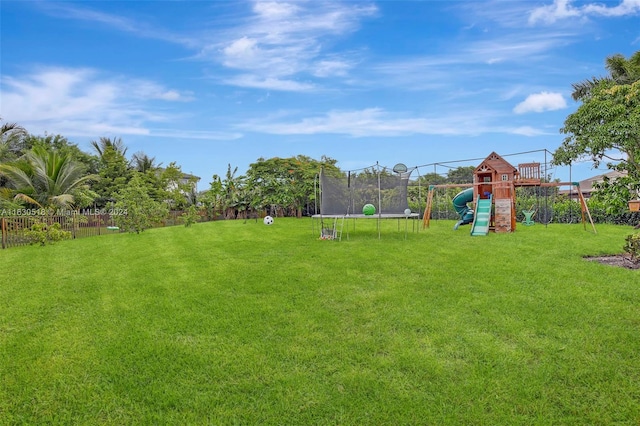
(543, 210)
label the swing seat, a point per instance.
(528, 216)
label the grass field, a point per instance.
(240, 323)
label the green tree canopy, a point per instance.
(461, 175)
(621, 71)
(62, 145)
(114, 175)
(606, 127)
(151, 174)
(134, 209)
(179, 187)
(288, 183)
(432, 179)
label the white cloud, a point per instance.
(55, 94)
(563, 9)
(625, 8)
(334, 67)
(82, 101)
(528, 131)
(484, 63)
(371, 122)
(283, 40)
(540, 102)
(269, 83)
(67, 10)
(560, 9)
(517, 47)
(243, 47)
(148, 90)
(367, 122)
(172, 95)
(272, 9)
(194, 134)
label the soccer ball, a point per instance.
(268, 220)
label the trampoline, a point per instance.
(342, 198)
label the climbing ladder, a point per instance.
(482, 218)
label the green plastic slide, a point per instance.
(482, 218)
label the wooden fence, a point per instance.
(78, 224)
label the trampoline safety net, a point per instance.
(347, 195)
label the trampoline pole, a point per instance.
(379, 199)
(349, 194)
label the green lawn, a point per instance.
(242, 323)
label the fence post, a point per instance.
(73, 224)
(3, 227)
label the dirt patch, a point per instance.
(619, 260)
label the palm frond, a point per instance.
(62, 200)
(28, 199)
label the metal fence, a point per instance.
(80, 225)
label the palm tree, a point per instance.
(231, 187)
(621, 71)
(48, 179)
(143, 163)
(225, 193)
(104, 143)
(11, 134)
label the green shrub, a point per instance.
(632, 246)
(41, 233)
(191, 216)
(135, 210)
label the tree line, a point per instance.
(50, 173)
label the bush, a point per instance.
(41, 233)
(569, 211)
(632, 246)
(135, 210)
(191, 216)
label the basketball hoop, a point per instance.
(400, 168)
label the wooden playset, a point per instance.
(494, 195)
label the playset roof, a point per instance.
(496, 163)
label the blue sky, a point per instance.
(212, 83)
